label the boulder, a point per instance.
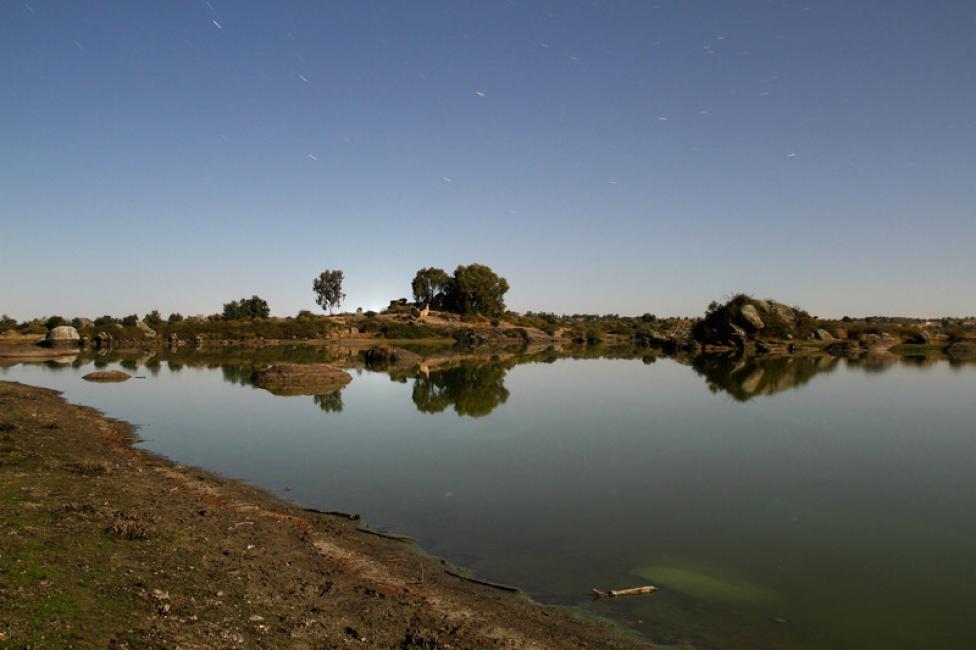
(301, 379)
(881, 344)
(147, 331)
(381, 356)
(738, 336)
(107, 376)
(845, 349)
(86, 322)
(63, 336)
(751, 315)
(823, 335)
(784, 312)
(922, 338)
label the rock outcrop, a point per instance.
(744, 320)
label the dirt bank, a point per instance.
(103, 545)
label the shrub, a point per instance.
(130, 320)
(7, 323)
(175, 317)
(153, 318)
(105, 321)
(54, 321)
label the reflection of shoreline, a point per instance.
(472, 381)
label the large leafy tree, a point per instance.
(246, 309)
(431, 286)
(476, 289)
(328, 290)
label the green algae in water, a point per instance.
(708, 585)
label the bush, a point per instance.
(408, 331)
(130, 320)
(175, 317)
(105, 321)
(153, 318)
(7, 323)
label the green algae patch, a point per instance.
(708, 585)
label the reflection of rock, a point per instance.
(107, 376)
(301, 379)
(751, 383)
(745, 377)
(962, 349)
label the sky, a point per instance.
(604, 157)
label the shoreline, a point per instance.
(106, 543)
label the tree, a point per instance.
(246, 309)
(431, 286)
(130, 320)
(53, 322)
(328, 290)
(153, 318)
(476, 289)
(7, 323)
(175, 317)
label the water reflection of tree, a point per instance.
(746, 377)
(331, 403)
(237, 374)
(474, 389)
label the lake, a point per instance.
(807, 502)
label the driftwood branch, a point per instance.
(398, 538)
(493, 585)
(334, 513)
(632, 591)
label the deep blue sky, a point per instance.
(603, 156)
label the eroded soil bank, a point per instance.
(104, 545)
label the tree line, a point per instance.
(471, 289)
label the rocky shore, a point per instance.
(105, 545)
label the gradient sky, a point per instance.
(603, 156)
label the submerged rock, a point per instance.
(301, 379)
(107, 376)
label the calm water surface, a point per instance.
(813, 503)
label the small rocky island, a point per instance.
(301, 379)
